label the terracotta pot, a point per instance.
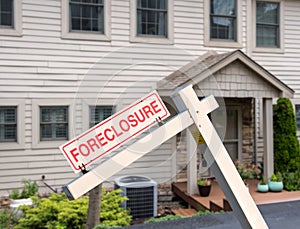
(204, 190)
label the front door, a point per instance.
(232, 140)
(232, 128)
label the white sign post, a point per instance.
(193, 112)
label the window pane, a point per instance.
(223, 28)
(266, 36)
(267, 12)
(223, 7)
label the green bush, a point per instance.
(286, 144)
(111, 212)
(291, 181)
(57, 212)
(29, 189)
(7, 218)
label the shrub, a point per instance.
(29, 189)
(286, 145)
(292, 181)
(111, 212)
(7, 218)
(57, 212)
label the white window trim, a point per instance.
(281, 29)
(17, 29)
(148, 39)
(87, 103)
(20, 144)
(36, 104)
(222, 43)
(85, 35)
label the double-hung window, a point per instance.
(8, 124)
(11, 17)
(87, 15)
(99, 113)
(152, 21)
(152, 18)
(223, 20)
(86, 19)
(53, 123)
(267, 24)
(223, 23)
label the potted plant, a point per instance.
(275, 183)
(262, 186)
(29, 189)
(204, 186)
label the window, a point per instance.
(267, 24)
(53, 123)
(298, 116)
(99, 113)
(223, 20)
(86, 19)
(87, 15)
(8, 124)
(11, 17)
(223, 23)
(6, 13)
(152, 17)
(151, 21)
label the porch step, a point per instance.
(216, 206)
(184, 211)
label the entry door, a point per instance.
(231, 127)
(232, 140)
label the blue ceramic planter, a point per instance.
(262, 187)
(275, 186)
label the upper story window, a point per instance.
(223, 20)
(223, 23)
(87, 15)
(99, 113)
(53, 123)
(86, 19)
(267, 24)
(8, 124)
(152, 21)
(152, 17)
(11, 17)
(6, 13)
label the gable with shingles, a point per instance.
(231, 74)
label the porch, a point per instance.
(216, 201)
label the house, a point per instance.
(68, 64)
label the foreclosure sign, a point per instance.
(114, 131)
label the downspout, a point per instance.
(256, 105)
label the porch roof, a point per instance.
(211, 62)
